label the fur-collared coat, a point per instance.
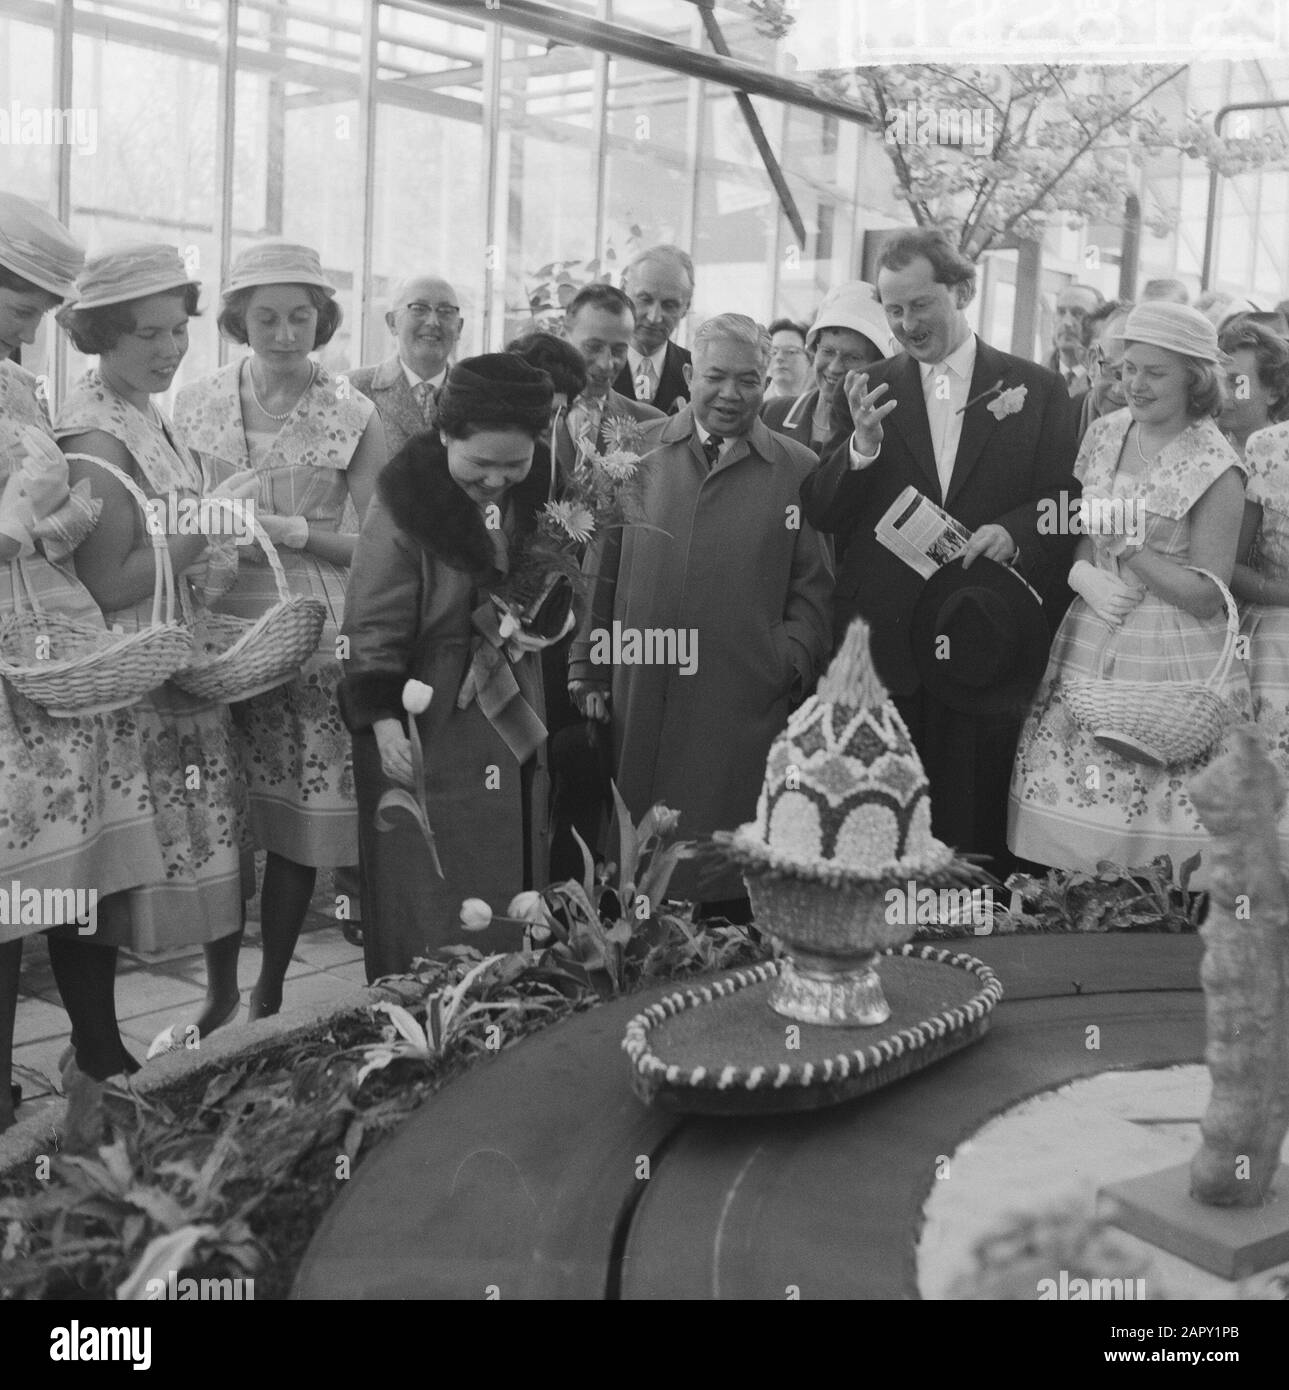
(424, 562)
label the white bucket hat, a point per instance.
(853, 305)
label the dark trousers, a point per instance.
(968, 761)
(579, 756)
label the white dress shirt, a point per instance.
(951, 378)
(414, 381)
(704, 434)
(943, 408)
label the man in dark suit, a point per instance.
(660, 285)
(1068, 358)
(924, 418)
(848, 333)
(598, 322)
(425, 319)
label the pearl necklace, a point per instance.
(255, 395)
(1146, 462)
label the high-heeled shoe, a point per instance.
(187, 1035)
(85, 1123)
(253, 1010)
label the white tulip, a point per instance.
(527, 907)
(475, 913)
(417, 696)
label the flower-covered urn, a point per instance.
(843, 817)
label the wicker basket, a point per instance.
(72, 668)
(1159, 723)
(238, 658)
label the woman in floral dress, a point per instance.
(1074, 801)
(76, 809)
(1261, 579)
(314, 446)
(131, 309)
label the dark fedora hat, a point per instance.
(980, 638)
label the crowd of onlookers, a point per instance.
(408, 498)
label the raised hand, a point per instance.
(866, 411)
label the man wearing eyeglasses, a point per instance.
(660, 285)
(425, 319)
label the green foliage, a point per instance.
(617, 931)
(1112, 899)
(99, 1222)
(228, 1178)
(551, 287)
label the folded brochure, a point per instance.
(921, 533)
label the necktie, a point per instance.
(584, 422)
(712, 449)
(646, 382)
(426, 397)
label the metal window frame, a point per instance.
(605, 39)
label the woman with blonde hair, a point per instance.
(1147, 607)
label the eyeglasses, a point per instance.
(445, 313)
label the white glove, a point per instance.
(290, 531)
(36, 487)
(1107, 596)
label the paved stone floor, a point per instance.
(153, 992)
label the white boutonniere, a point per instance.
(1007, 402)
(1001, 402)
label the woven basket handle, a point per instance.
(275, 563)
(23, 583)
(1223, 668)
(163, 568)
(270, 554)
(1224, 662)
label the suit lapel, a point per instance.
(672, 386)
(565, 454)
(625, 385)
(978, 423)
(909, 420)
